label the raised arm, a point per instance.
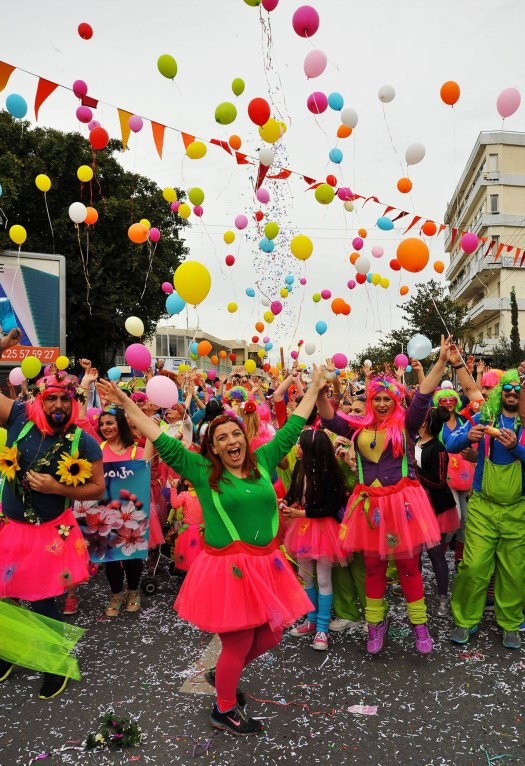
(306, 404)
(12, 338)
(465, 379)
(433, 378)
(114, 394)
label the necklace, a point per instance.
(374, 440)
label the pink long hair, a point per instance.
(395, 423)
(35, 412)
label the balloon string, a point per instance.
(86, 276)
(50, 224)
(150, 266)
(439, 315)
(392, 140)
(17, 271)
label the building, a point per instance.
(489, 201)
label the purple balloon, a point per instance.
(154, 234)
(305, 21)
(84, 114)
(266, 339)
(263, 195)
(345, 193)
(135, 123)
(198, 210)
(241, 222)
(351, 284)
(317, 102)
(167, 287)
(276, 307)
(80, 88)
(357, 243)
(93, 124)
(326, 294)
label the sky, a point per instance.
(412, 45)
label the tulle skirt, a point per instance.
(188, 545)
(156, 536)
(316, 539)
(241, 586)
(389, 522)
(41, 560)
(448, 521)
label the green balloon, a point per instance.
(253, 3)
(324, 194)
(196, 196)
(316, 297)
(167, 66)
(225, 113)
(271, 230)
(238, 85)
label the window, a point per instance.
(496, 330)
(494, 203)
(480, 337)
(489, 332)
(493, 163)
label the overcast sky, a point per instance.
(412, 45)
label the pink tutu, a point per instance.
(41, 560)
(188, 545)
(448, 521)
(315, 539)
(389, 522)
(241, 586)
(156, 536)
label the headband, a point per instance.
(60, 381)
(386, 385)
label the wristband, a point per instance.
(457, 366)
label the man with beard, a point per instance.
(48, 463)
(495, 531)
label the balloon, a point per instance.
(331, 180)
(317, 102)
(114, 373)
(289, 279)
(469, 242)
(315, 63)
(385, 282)
(266, 156)
(204, 348)
(238, 86)
(259, 326)
(137, 232)
(345, 193)
(16, 105)
(362, 233)
(162, 391)
(336, 101)
(250, 366)
(174, 303)
(270, 5)
(294, 354)
(138, 356)
(1, 191)
(169, 194)
(250, 292)
(449, 92)
(98, 138)
(353, 258)
(136, 123)
(85, 31)
(376, 279)
(419, 347)
(305, 21)
(259, 111)
(268, 317)
(80, 88)
(360, 278)
(271, 230)
(30, 367)
(401, 360)
(385, 223)
(91, 216)
(349, 117)
(43, 183)
(214, 359)
(192, 281)
(196, 195)
(395, 265)
(222, 354)
(324, 194)
(343, 131)
(266, 339)
(228, 237)
(326, 294)
(93, 124)
(337, 306)
(367, 363)
(268, 346)
(507, 103)
(265, 301)
(335, 155)
(16, 376)
(362, 264)
(321, 327)
(404, 185)
(212, 374)
(309, 348)
(403, 290)
(409, 369)
(429, 228)
(167, 66)
(377, 251)
(369, 277)
(283, 292)
(262, 195)
(232, 357)
(241, 222)
(184, 210)
(84, 114)
(414, 154)
(229, 260)
(77, 212)
(270, 132)
(84, 174)
(196, 150)
(167, 287)
(386, 94)
(349, 206)
(439, 267)
(134, 326)
(357, 243)
(351, 284)
(154, 234)
(193, 348)
(316, 297)
(18, 234)
(225, 113)
(276, 307)
(413, 254)
(340, 361)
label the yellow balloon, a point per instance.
(385, 282)
(250, 366)
(184, 210)
(349, 206)
(302, 247)
(169, 194)
(3, 437)
(268, 317)
(232, 307)
(192, 281)
(376, 279)
(279, 366)
(196, 150)
(30, 367)
(229, 237)
(270, 131)
(62, 363)
(146, 223)
(261, 354)
(283, 128)
(84, 174)
(18, 234)
(134, 326)
(43, 182)
(283, 292)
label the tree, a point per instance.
(117, 270)
(515, 348)
(431, 312)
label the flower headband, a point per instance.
(249, 406)
(60, 381)
(386, 385)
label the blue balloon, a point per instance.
(337, 372)
(114, 373)
(336, 155)
(174, 303)
(369, 276)
(408, 368)
(289, 279)
(385, 223)
(250, 292)
(16, 105)
(268, 346)
(336, 101)
(321, 327)
(194, 348)
(1, 190)
(267, 245)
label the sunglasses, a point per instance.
(510, 387)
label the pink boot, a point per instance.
(424, 644)
(376, 637)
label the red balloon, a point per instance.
(395, 265)
(259, 111)
(230, 260)
(259, 215)
(347, 308)
(233, 357)
(85, 31)
(266, 367)
(98, 138)
(331, 180)
(360, 278)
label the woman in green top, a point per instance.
(241, 585)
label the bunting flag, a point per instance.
(415, 219)
(284, 173)
(309, 181)
(522, 259)
(44, 90)
(489, 248)
(368, 200)
(88, 101)
(454, 235)
(261, 175)
(242, 159)
(517, 255)
(6, 70)
(223, 144)
(442, 227)
(499, 251)
(158, 136)
(124, 126)
(401, 214)
(388, 208)
(187, 139)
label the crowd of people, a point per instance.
(289, 503)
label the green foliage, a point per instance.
(115, 267)
(114, 732)
(515, 348)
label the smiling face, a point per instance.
(108, 427)
(383, 406)
(57, 409)
(229, 444)
(449, 402)
(510, 399)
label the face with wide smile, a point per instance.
(229, 444)
(57, 409)
(383, 406)
(510, 400)
(108, 427)
(449, 402)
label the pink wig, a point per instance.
(491, 378)
(35, 412)
(395, 424)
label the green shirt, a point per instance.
(249, 503)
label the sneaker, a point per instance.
(443, 607)
(462, 635)
(113, 608)
(511, 639)
(52, 686)
(305, 628)
(522, 626)
(70, 605)
(397, 590)
(424, 644)
(132, 601)
(5, 669)
(489, 604)
(376, 637)
(320, 642)
(210, 678)
(235, 721)
(338, 624)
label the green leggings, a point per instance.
(348, 585)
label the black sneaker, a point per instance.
(52, 686)
(5, 669)
(241, 697)
(236, 721)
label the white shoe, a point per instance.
(320, 642)
(339, 624)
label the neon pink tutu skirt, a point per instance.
(241, 586)
(316, 539)
(42, 560)
(188, 545)
(156, 536)
(448, 521)
(389, 522)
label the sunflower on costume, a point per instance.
(73, 470)
(9, 463)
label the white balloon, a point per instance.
(362, 264)
(414, 154)
(265, 301)
(419, 347)
(349, 117)
(77, 212)
(447, 384)
(349, 206)
(309, 348)
(367, 363)
(266, 156)
(386, 94)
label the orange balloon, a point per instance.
(346, 310)
(413, 254)
(429, 228)
(235, 142)
(362, 233)
(404, 185)
(214, 359)
(439, 266)
(259, 326)
(204, 348)
(92, 216)
(223, 354)
(449, 92)
(353, 257)
(343, 131)
(338, 305)
(403, 290)
(138, 233)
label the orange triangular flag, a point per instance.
(124, 126)
(6, 70)
(187, 139)
(261, 175)
(158, 136)
(44, 90)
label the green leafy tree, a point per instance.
(124, 278)
(515, 347)
(431, 312)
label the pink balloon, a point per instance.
(340, 361)
(84, 114)
(305, 21)
(315, 63)
(139, 357)
(198, 210)
(270, 5)
(377, 251)
(326, 294)
(154, 234)
(135, 123)
(294, 354)
(317, 102)
(161, 390)
(16, 376)
(351, 284)
(266, 339)
(401, 360)
(302, 281)
(276, 307)
(167, 287)
(263, 195)
(93, 124)
(357, 243)
(46, 370)
(175, 206)
(241, 222)
(469, 242)
(508, 102)
(345, 193)
(80, 88)
(212, 374)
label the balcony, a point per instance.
(486, 309)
